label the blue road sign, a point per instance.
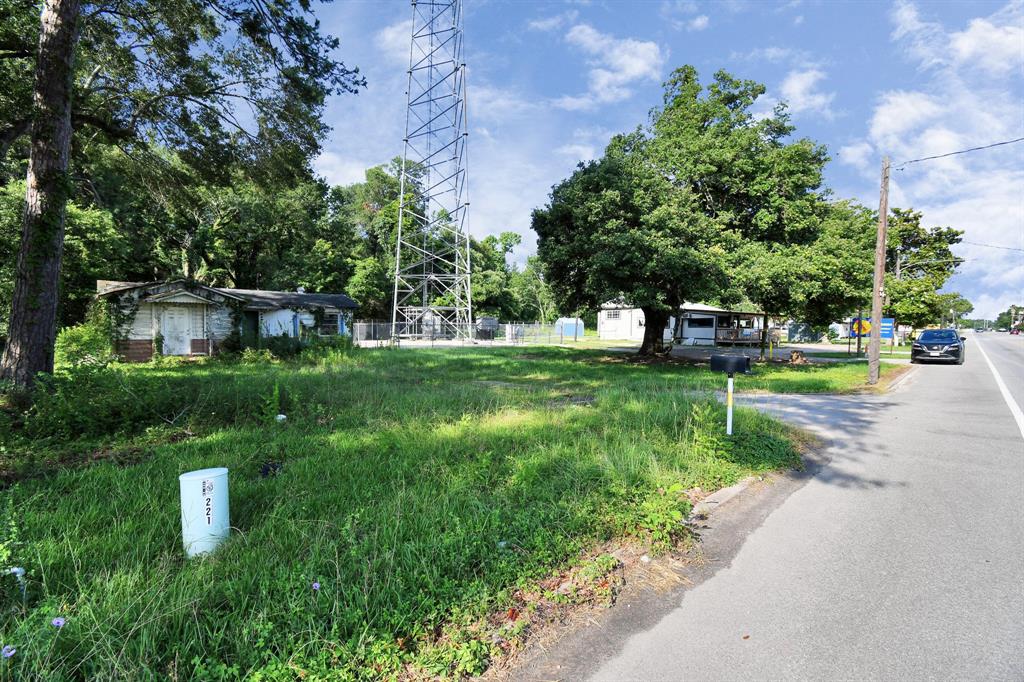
(861, 326)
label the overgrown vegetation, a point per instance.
(418, 489)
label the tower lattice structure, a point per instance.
(432, 255)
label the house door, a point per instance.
(177, 331)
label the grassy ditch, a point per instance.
(419, 490)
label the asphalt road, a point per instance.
(902, 558)
(1007, 353)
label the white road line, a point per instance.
(1010, 402)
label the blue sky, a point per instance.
(550, 82)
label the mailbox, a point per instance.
(730, 364)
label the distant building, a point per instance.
(193, 319)
(695, 324)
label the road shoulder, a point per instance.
(721, 523)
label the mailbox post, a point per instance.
(730, 365)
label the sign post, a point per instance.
(730, 365)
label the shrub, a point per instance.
(87, 343)
(283, 346)
(253, 356)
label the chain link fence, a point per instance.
(370, 333)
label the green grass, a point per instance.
(420, 488)
(853, 356)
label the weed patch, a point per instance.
(419, 497)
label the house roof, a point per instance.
(290, 299)
(256, 298)
(686, 307)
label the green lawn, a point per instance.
(419, 488)
(853, 356)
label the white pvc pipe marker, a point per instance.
(728, 413)
(205, 516)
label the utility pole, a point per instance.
(875, 344)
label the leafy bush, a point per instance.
(87, 343)
(283, 346)
(253, 356)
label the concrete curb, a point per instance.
(900, 380)
(718, 498)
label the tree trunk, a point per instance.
(33, 321)
(655, 320)
(764, 333)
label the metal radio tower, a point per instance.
(432, 289)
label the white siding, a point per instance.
(143, 325)
(626, 324)
(277, 322)
(198, 325)
(699, 335)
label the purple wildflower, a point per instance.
(58, 622)
(8, 651)
(316, 586)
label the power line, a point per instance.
(904, 164)
(993, 246)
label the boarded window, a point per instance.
(329, 325)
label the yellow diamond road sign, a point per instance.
(862, 326)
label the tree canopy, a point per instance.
(709, 202)
(192, 95)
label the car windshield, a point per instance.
(939, 335)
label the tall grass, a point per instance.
(418, 488)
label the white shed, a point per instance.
(616, 321)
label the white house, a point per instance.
(696, 324)
(188, 318)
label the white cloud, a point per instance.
(779, 55)
(899, 112)
(994, 44)
(997, 49)
(554, 22)
(859, 155)
(393, 42)
(967, 101)
(798, 19)
(698, 23)
(581, 152)
(676, 13)
(338, 170)
(615, 64)
(587, 143)
(491, 104)
(800, 90)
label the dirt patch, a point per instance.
(569, 400)
(623, 359)
(575, 599)
(497, 384)
(18, 466)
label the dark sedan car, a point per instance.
(943, 345)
